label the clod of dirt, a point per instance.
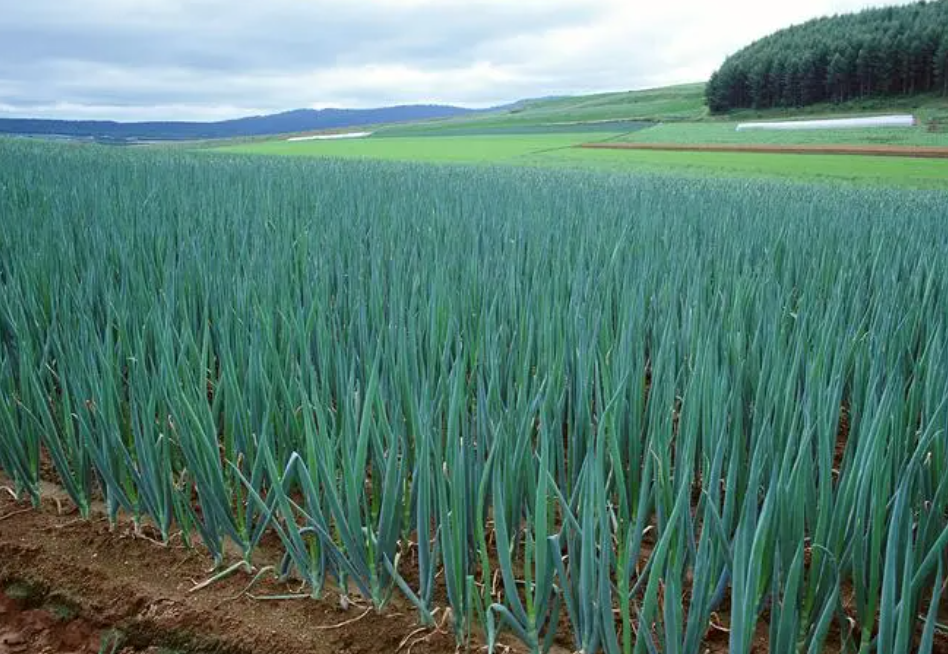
(12, 642)
(40, 631)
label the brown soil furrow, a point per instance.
(116, 580)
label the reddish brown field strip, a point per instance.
(866, 150)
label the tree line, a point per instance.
(876, 52)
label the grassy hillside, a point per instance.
(623, 112)
(683, 102)
(677, 104)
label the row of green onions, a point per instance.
(589, 410)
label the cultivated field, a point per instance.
(481, 148)
(720, 133)
(541, 133)
(563, 151)
(431, 407)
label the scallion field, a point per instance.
(536, 408)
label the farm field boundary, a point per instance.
(866, 150)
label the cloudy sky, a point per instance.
(214, 59)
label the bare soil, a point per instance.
(867, 150)
(27, 629)
(67, 585)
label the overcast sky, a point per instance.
(214, 59)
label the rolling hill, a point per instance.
(300, 120)
(681, 102)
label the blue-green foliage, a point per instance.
(639, 398)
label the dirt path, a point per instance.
(66, 585)
(866, 150)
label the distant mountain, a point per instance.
(299, 120)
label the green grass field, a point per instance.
(470, 149)
(725, 133)
(901, 172)
(556, 150)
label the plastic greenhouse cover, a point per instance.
(905, 120)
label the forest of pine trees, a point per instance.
(876, 52)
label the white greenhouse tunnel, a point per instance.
(330, 137)
(904, 120)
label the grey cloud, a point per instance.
(115, 53)
(155, 59)
(284, 36)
